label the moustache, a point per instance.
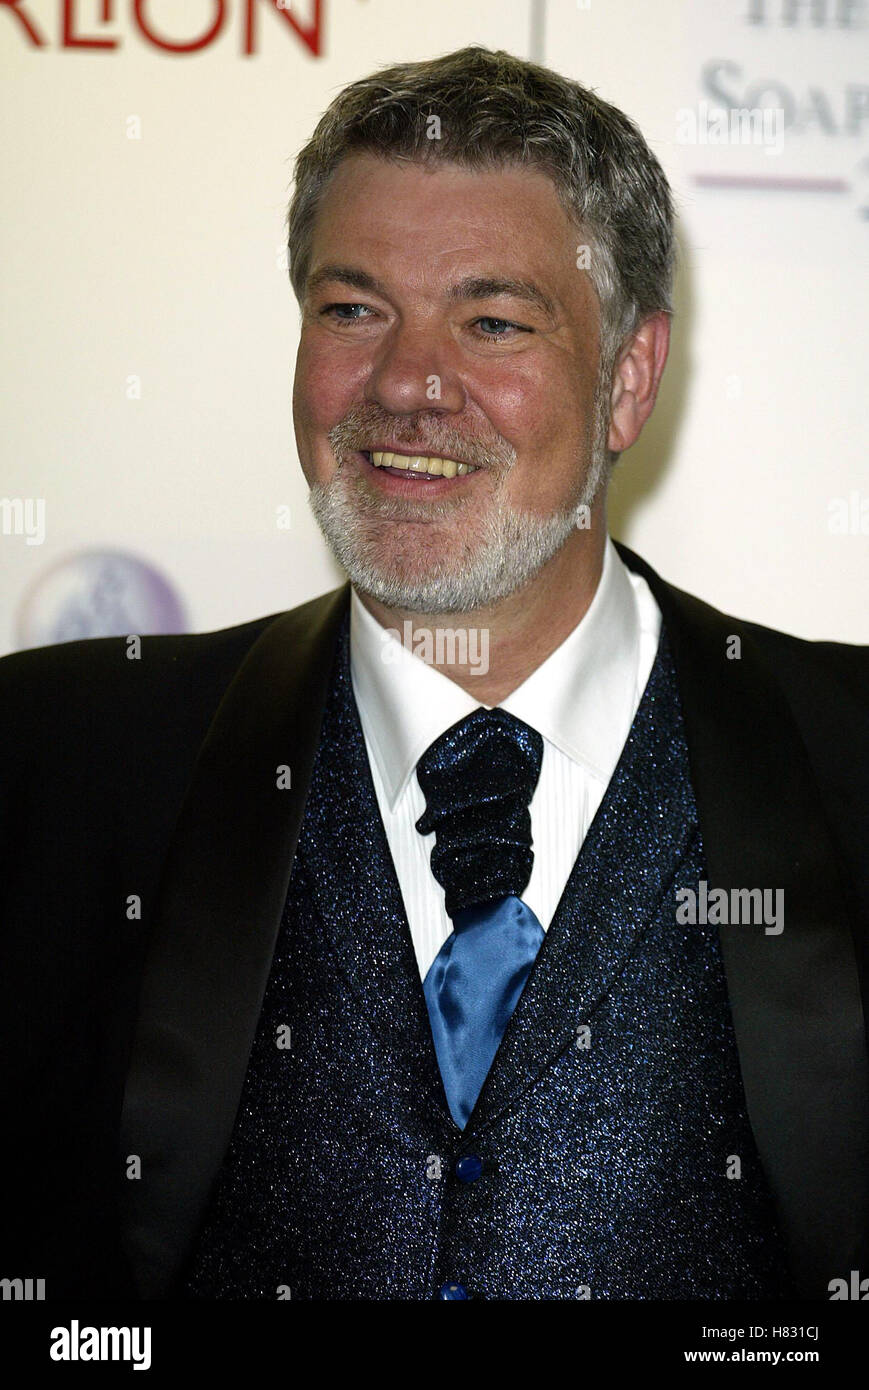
(368, 426)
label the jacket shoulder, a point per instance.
(161, 654)
(89, 687)
(794, 661)
(798, 659)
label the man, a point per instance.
(525, 963)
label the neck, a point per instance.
(521, 630)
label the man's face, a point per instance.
(445, 318)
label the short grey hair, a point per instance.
(495, 109)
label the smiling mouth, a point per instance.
(420, 466)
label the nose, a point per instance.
(415, 370)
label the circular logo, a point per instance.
(98, 593)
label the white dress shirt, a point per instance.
(582, 700)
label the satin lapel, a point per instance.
(222, 896)
(613, 891)
(356, 892)
(795, 996)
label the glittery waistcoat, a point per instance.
(617, 1158)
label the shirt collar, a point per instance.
(581, 698)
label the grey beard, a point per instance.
(510, 547)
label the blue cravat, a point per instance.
(478, 779)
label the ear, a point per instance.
(636, 377)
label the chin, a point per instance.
(445, 570)
(465, 586)
(414, 590)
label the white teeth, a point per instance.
(422, 463)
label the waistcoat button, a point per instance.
(469, 1168)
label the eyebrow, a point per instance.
(471, 288)
(345, 275)
(497, 286)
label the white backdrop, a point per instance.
(150, 330)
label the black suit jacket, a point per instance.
(147, 850)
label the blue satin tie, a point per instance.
(478, 779)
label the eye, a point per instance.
(344, 313)
(498, 329)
